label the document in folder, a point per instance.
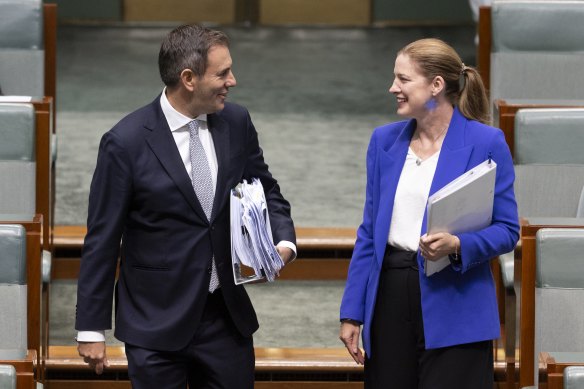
(253, 253)
(463, 205)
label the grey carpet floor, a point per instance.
(314, 94)
(291, 313)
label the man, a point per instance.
(161, 187)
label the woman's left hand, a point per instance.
(436, 246)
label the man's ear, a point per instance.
(438, 85)
(188, 79)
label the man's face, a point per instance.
(211, 89)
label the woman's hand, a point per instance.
(436, 246)
(349, 335)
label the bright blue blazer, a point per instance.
(459, 305)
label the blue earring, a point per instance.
(431, 104)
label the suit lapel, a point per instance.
(220, 132)
(391, 161)
(164, 147)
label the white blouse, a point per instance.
(410, 201)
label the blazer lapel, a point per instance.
(164, 147)
(220, 132)
(391, 161)
(454, 156)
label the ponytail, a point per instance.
(473, 102)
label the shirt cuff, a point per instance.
(90, 336)
(291, 246)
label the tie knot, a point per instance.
(194, 126)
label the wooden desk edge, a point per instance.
(267, 359)
(307, 237)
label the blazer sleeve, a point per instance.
(353, 301)
(503, 233)
(108, 205)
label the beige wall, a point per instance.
(217, 11)
(330, 12)
(274, 12)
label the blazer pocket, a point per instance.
(151, 268)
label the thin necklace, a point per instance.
(418, 159)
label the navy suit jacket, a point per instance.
(458, 305)
(141, 195)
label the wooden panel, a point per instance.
(286, 361)
(305, 359)
(301, 269)
(333, 247)
(98, 384)
(504, 118)
(65, 268)
(333, 12)
(307, 385)
(44, 176)
(484, 46)
(316, 269)
(69, 236)
(555, 370)
(77, 384)
(217, 11)
(321, 238)
(25, 370)
(50, 41)
(268, 360)
(308, 238)
(66, 358)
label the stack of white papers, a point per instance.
(463, 205)
(253, 253)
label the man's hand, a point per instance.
(93, 354)
(285, 253)
(349, 335)
(436, 246)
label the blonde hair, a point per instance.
(464, 87)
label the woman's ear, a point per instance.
(438, 85)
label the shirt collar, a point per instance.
(174, 118)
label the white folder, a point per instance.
(463, 205)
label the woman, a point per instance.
(418, 331)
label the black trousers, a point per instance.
(216, 358)
(399, 359)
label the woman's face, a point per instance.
(412, 90)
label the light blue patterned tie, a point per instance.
(202, 184)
